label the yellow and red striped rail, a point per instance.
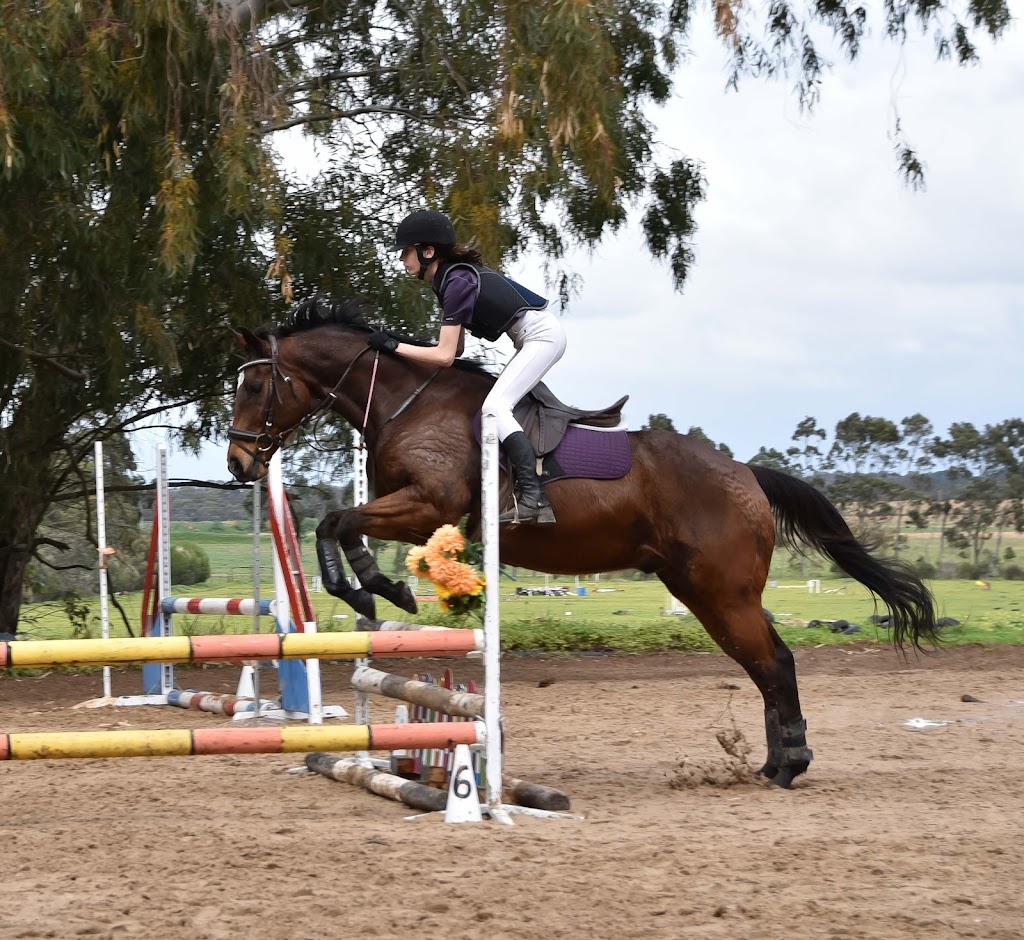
(60, 745)
(236, 648)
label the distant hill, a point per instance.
(198, 504)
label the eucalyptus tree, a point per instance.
(144, 203)
(862, 460)
(130, 211)
(770, 457)
(806, 457)
(912, 460)
(697, 433)
(1006, 440)
(658, 422)
(987, 464)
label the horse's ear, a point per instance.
(248, 341)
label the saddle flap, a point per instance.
(544, 418)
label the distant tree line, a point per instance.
(892, 478)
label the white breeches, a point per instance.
(539, 341)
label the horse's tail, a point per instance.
(802, 514)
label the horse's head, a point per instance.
(272, 401)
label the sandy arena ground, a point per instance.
(894, 832)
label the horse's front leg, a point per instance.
(332, 570)
(401, 516)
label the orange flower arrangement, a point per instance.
(446, 560)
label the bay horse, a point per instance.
(704, 523)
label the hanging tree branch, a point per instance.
(46, 359)
(248, 14)
(353, 113)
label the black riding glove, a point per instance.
(382, 342)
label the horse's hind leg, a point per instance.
(744, 633)
(785, 726)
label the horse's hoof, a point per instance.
(362, 602)
(768, 771)
(404, 598)
(786, 775)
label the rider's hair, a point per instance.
(459, 253)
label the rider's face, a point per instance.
(411, 261)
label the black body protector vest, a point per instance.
(499, 299)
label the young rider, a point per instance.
(476, 298)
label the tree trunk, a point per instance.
(942, 540)
(19, 518)
(28, 450)
(999, 537)
(899, 528)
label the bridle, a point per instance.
(263, 441)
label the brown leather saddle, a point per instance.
(544, 418)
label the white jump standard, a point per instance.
(534, 799)
(299, 689)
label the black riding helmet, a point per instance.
(424, 227)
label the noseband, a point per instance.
(263, 441)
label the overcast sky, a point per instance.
(823, 285)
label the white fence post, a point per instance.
(492, 623)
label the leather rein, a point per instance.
(263, 441)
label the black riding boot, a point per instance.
(533, 506)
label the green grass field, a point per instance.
(616, 613)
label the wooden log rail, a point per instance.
(420, 796)
(436, 697)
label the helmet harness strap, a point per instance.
(424, 262)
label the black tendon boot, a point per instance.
(533, 506)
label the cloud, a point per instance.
(823, 285)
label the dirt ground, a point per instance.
(894, 832)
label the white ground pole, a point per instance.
(101, 547)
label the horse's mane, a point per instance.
(312, 314)
(351, 314)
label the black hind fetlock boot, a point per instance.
(532, 506)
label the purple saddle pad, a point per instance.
(584, 453)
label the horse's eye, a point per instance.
(250, 387)
(251, 384)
